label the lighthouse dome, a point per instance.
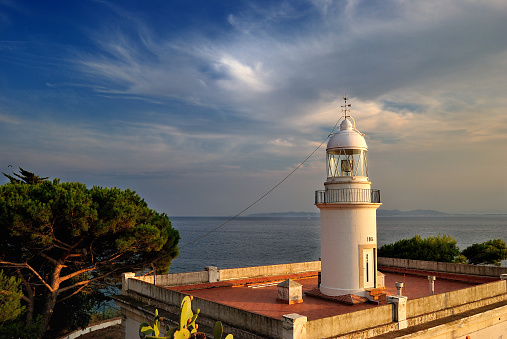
(347, 137)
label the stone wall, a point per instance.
(270, 270)
(176, 279)
(481, 270)
(446, 304)
(200, 277)
(364, 323)
(489, 324)
(169, 299)
(350, 322)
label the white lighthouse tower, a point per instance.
(348, 208)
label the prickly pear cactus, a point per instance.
(148, 332)
(187, 327)
(219, 330)
(187, 319)
(181, 334)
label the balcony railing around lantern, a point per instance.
(347, 195)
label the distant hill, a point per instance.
(413, 213)
(380, 213)
(286, 215)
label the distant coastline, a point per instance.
(285, 215)
(380, 213)
(413, 213)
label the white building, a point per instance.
(348, 216)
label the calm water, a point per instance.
(267, 241)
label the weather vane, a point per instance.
(345, 107)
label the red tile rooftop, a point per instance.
(258, 295)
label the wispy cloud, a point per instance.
(261, 86)
(9, 119)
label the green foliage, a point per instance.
(12, 324)
(65, 238)
(491, 252)
(25, 177)
(10, 298)
(187, 327)
(18, 329)
(444, 248)
(441, 248)
(460, 259)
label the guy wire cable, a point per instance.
(256, 201)
(265, 194)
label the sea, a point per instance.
(256, 241)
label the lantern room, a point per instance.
(346, 152)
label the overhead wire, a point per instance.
(255, 202)
(265, 194)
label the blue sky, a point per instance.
(202, 106)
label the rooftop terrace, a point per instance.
(259, 295)
(244, 299)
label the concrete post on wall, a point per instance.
(213, 274)
(432, 279)
(399, 310)
(294, 326)
(399, 288)
(125, 281)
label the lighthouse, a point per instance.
(348, 207)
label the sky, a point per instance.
(202, 107)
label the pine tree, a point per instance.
(64, 238)
(25, 177)
(10, 298)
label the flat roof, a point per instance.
(258, 295)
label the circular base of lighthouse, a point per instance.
(348, 248)
(334, 292)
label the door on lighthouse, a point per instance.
(368, 268)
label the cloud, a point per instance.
(257, 93)
(9, 120)
(429, 58)
(242, 77)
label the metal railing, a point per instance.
(347, 195)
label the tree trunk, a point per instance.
(29, 309)
(50, 301)
(47, 312)
(28, 299)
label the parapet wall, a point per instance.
(270, 270)
(351, 322)
(163, 297)
(177, 279)
(188, 278)
(457, 301)
(151, 290)
(364, 323)
(480, 270)
(200, 277)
